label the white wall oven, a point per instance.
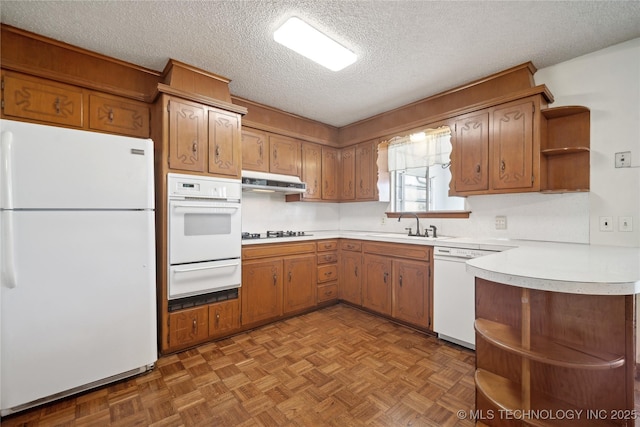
(204, 236)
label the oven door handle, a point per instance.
(212, 267)
(227, 209)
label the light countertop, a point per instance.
(549, 266)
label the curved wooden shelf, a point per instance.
(506, 396)
(569, 110)
(564, 150)
(546, 349)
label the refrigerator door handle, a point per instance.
(9, 278)
(6, 175)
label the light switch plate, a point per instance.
(606, 223)
(625, 223)
(623, 159)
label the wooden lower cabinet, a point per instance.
(542, 351)
(196, 325)
(300, 288)
(262, 290)
(277, 279)
(350, 272)
(397, 282)
(187, 327)
(376, 292)
(411, 292)
(327, 272)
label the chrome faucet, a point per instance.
(434, 231)
(417, 224)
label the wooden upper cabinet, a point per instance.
(471, 152)
(225, 157)
(284, 155)
(348, 173)
(497, 150)
(366, 171)
(312, 170)
(255, 150)
(42, 100)
(187, 135)
(512, 146)
(111, 114)
(330, 174)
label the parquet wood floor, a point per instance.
(334, 367)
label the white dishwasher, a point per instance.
(454, 295)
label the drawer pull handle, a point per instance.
(110, 118)
(401, 280)
(217, 151)
(289, 277)
(503, 166)
(275, 279)
(194, 146)
(57, 105)
(478, 168)
(194, 326)
(356, 271)
(386, 275)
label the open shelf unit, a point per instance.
(565, 149)
(542, 352)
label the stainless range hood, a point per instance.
(271, 182)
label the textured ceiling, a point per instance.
(408, 50)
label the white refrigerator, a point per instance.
(77, 261)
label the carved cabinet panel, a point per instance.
(42, 100)
(366, 171)
(471, 152)
(348, 173)
(512, 145)
(187, 136)
(284, 155)
(225, 157)
(187, 327)
(412, 292)
(330, 178)
(255, 150)
(376, 285)
(312, 170)
(114, 115)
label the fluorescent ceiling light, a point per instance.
(301, 37)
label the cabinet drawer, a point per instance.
(327, 273)
(399, 250)
(41, 100)
(351, 245)
(117, 116)
(327, 292)
(327, 245)
(276, 250)
(327, 258)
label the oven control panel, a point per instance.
(180, 186)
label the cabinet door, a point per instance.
(188, 326)
(330, 167)
(412, 292)
(312, 170)
(115, 115)
(261, 290)
(376, 286)
(512, 146)
(42, 100)
(350, 283)
(300, 288)
(366, 174)
(284, 155)
(225, 156)
(348, 173)
(470, 159)
(187, 136)
(255, 150)
(224, 317)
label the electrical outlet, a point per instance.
(383, 220)
(625, 223)
(606, 223)
(623, 159)
(501, 222)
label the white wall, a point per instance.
(608, 82)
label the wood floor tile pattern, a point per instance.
(333, 367)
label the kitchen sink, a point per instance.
(405, 236)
